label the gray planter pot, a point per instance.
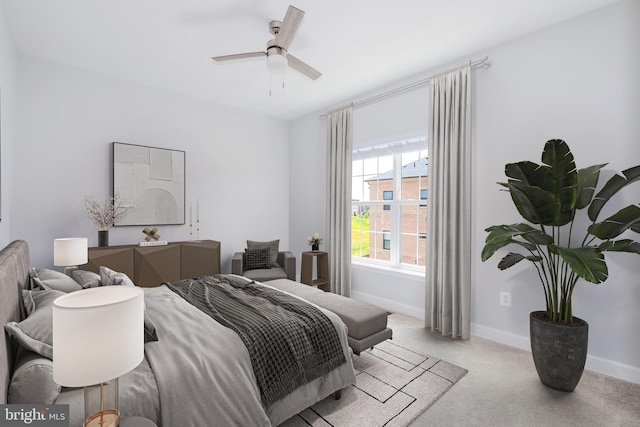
(559, 350)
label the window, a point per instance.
(389, 188)
(386, 240)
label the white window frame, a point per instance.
(396, 223)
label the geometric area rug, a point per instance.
(393, 386)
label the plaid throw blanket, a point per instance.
(290, 342)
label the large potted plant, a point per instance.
(564, 246)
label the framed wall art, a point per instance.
(152, 180)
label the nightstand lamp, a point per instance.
(98, 336)
(69, 253)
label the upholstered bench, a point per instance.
(366, 323)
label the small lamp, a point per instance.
(98, 335)
(70, 252)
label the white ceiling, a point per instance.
(358, 45)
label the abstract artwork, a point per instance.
(153, 181)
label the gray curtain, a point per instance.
(340, 143)
(448, 270)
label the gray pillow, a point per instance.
(86, 279)
(150, 333)
(256, 259)
(108, 277)
(273, 249)
(32, 380)
(48, 280)
(35, 333)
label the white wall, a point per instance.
(8, 93)
(237, 163)
(576, 81)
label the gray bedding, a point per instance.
(290, 342)
(203, 373)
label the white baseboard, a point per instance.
(502, 337)
(594, 363)
(389, 305)
(613, 369)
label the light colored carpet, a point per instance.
(393, 386)
(502, 388)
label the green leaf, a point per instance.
(534, 204)
(615, 184)
(587, 183)
(503, 235)
(616, 224)
(513, 258)
(558, 157)
(625, 245)
(529, 173)
(587, 262)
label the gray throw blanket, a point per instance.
(290, 342)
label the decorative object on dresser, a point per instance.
(263, 261)
(314, 241)
(153, 180)
(70, 252)
(151, 234)
(152, 238)
(151, 266)
(104, 215)
(197, 220)
(321, 261)
(99, 336)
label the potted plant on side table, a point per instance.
(550, 197)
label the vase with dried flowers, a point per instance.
(314, 241)
(105, 214)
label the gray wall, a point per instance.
(8, 90)
(577, 81)
(237, 163)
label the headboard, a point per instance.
(14, 277)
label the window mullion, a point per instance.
(396, 223)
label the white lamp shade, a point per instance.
(70, 251)
(98, 334)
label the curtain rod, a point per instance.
(483, 62)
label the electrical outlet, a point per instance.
(505, 298)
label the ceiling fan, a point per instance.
(277, 49)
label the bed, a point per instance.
(198, 372)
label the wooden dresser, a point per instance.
(152, 265)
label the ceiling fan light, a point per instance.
(277, 61)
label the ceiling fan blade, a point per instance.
(238, 56)
(303, 68)
(289, 27)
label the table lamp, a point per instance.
(69, 253)
(98, 335)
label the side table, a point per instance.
(322, 273)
